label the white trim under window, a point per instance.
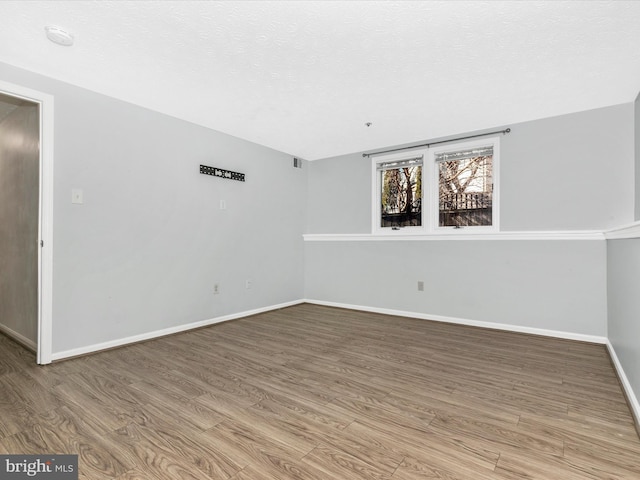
(470, 186)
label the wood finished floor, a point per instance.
(311, 392)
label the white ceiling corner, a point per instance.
(303, 77)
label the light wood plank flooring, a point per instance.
(311, 392)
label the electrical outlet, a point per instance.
(420, 286)
(248, 284)
(216, 289)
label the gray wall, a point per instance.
(19, 184)
(553, 285)
(145, 249)
(623, 279)
(624, 305)
(339, 195)
(572, 172)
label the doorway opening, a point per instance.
(26, 178)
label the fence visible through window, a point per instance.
(401, 193)
(465, 183)
(465, 209)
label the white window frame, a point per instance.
(430, 190)
(377, 193)
(434, 194)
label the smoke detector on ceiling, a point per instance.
(59, 36)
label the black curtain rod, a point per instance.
(504, 132)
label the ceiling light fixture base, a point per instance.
(58, 35)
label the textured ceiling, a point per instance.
(303, 77)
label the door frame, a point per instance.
(45, 215)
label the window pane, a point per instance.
(466, 189)
(401, 197)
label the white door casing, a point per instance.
(45, 216)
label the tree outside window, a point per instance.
(401, 196)
(465, 188)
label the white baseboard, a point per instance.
(628, 390)
(164, 332)
(473, 323)
(21, 339)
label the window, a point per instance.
(398, 187)
(401, 201)
(465, 187)
(450, 188)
